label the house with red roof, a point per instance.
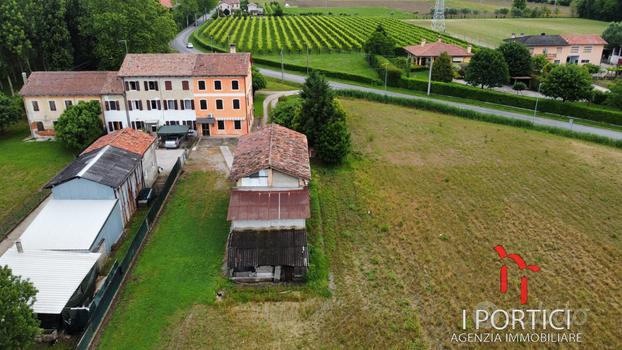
(565, 48)
(422, 54)
(134, 141)
(269, 206)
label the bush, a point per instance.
(384, 67)
(287, 113)
(79, 125)
(615, 97)
(598, 97)
(568, 82)
(519, 86)
(442, 69)
(591, 68)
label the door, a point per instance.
(205, 129)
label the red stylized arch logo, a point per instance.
(521, 266)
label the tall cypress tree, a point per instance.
(318, 106)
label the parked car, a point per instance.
(172, 143)
(189, 45)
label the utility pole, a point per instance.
(430, 75)
(307, 59)
(386, 74)
(535, 109)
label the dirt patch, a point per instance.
(208, 157)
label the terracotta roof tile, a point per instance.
(128, 139)
(436, 49)
(71, 84)
(179, 64)
(273, 147)
(583, 39)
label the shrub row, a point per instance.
(383, 66)
(570, 109)
(473, 115)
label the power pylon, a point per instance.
(438, 19)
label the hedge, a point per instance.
(576, 110)
(473, 115)
(383, 66)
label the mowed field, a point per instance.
(491, 32)
(408, 227)
(26, 167)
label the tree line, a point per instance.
(604, 10)
(78, 34)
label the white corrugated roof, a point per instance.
(67, 224)
(55, 274)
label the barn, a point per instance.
(108, 173)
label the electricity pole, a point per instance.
(282, 68)
(430, 75)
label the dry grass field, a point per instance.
(408, 226)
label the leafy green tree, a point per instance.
(11, 111)
(380, 43)
(288, 113)
(277, 9)
(519, 4)
(615, 96)
(613, 34)
(487, 69)
(79, 125)
(517, 57)
(259, 81)
(146, 25)
(442, 69)
(318, 106)
(14, 43)
(604, 10)
(568, 82)
(18, 324)
(538, 62)
(334, 143)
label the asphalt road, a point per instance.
(179, 44)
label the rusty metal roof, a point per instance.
(269, 205)
(267, 248)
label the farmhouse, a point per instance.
(135, 141)
(75, 225)
(209, 93)
(64, 281)
(227, 7)
(254, 9)
(269, 206)
(422, 54)
(108, 173)
(565, 48)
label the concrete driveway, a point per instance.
(167, 158)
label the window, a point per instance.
(40, 126)
(35, 106)
(52, 105)
(115, 105)
(138, 125)
(574, 49)
(151, 85)
(191, 124)
(171, 104)
(259, 174)
(556, 61)
(237, 124)
(132, 85)
(236, 104)
(154, 104)
(172, 122)
(221, 125)
(135, 104)
(587, 49)
(185, 85)
(201, 84)
(68, 103)
(168, 85)
(235, 85)
(545, 50)
(217, 85)
(219, 104)
(203, 104)
(531, 50)
(112, 126)
(188, 104)
(585, 61)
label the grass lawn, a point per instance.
(351, 62)
(491, 32)
(351, 11)
(26, 167)
(409, 225)
(274, 84)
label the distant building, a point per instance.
(210, 93)
(135, 141)
(254, 9)
(565, 48)
(269, 206)
(227, 7)
(108, 173)
(422, 54)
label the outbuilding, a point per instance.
(65, 282)
(107, 173)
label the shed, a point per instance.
(106, 173)
(63, 280)
(173, 130)
(75, 225)
(276, 255)
(268, 209)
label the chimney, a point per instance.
(422, 42)
(18, 245)
(24, 77)
(513, 35)
(469, 48)
(232, 48)
(522, 34)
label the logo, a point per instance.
(521, 266)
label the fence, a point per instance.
(105, 295)
(14, 217)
